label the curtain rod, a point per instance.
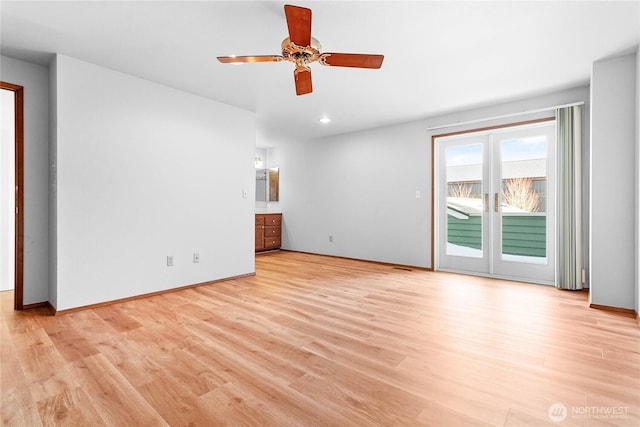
(504, 116)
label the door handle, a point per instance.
(496, 202)
(486, 202)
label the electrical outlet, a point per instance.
(196, 258)
(330, 239)
(169, 261)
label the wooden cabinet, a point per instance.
(268, 231)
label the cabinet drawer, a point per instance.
(272, 219)
(259, 220)
(272, 242)
(270, 231)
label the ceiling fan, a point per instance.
(302, 49)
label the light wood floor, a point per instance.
(319, 341)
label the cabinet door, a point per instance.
(259, 232)
(259, 237)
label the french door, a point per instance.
(495, 202)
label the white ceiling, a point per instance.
(439, 56)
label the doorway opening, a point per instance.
(495, 202)
(11, 191)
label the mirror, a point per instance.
(267, 185)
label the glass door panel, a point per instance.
(463, 210)
(524, 221)
(524, 193)
(464, 164)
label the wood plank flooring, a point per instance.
(320, 341)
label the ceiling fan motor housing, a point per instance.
(300, 55)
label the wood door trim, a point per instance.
(18, 303)
(502, 126)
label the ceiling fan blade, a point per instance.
(303, 81)
(299, 24)
(357, 60)
(241, 59)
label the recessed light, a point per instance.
(325, 120)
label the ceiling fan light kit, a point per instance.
(302, 49)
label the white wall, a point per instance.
(613, 182)
(360, 188)
(637, 181)
(7, 193)
(53, 183)
(34, 79)
(143, 172)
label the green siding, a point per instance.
(522, 234)
(465, 232)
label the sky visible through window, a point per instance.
(461, 155)
(534, 147)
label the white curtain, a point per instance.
(569, 139)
